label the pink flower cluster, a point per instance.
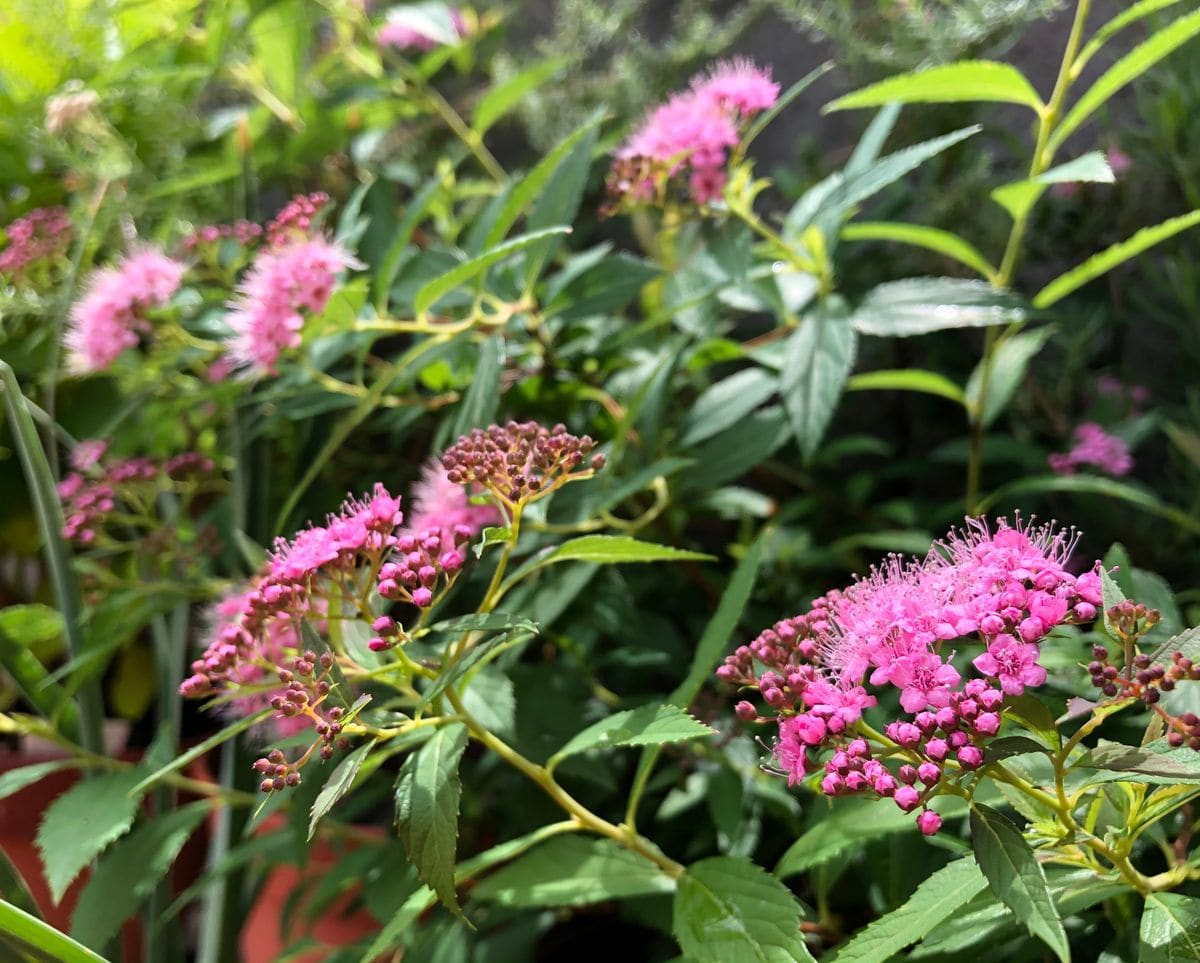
(410, 30)
(90, 493)
(438, 502)
(1005, 589)
(113, 310)
(243, 233)
(1092, 445)
(294, 222)
(281, 283)
(41, 234)
(692, 133)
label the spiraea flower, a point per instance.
(114, 309)
(688, 138)
(520, 461)
(294, 222)
(39, 236)
(281, 286)
(438, 502)
(1001, 592)
(1094, 447)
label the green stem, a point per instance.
(1043, 157)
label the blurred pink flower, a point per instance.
(437, 502)
(1094, 446)
(415, 29)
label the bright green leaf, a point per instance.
(607, 550)
(82, 821)
(930, 238)
(1114, 256)
(727, 910)
(794, 91)
(15, 780)
(1170, 931)
(1130, 15)
(907, 379)
(968, 80)
(27, 937)
(428, 790)
(1018, 197)
(1016, 877)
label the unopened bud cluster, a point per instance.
(520, 461)
(295, 219)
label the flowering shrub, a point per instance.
(601, 413)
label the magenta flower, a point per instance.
(923, 680)
(1094, 446)
(113, 310)
(437, 502)
(1013, 663)
(738, 85)
(41, 234)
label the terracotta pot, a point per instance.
(21, 813)
(269, 928)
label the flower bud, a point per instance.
(929, 822)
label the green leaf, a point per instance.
(726, 403)
(1187, 642)
(532, 185)
(828, 202)
(478, 408)
(51, 700)
(930, 238)
(736, 450)
(15, 780)
(1170, 931)
(1156, 761)
(1110, 258)
(644, 726)
(967, 80)
(573, 871)
(1092, 485)
(278, 34)
(1008, 365)
(1118, 23)
(200, 749)
(935, 900)
(1008, 746)
(1016, 877)
(82, 821)
(727, 910)
(30, 624)
(503, 97)
(428, 790)
(907, 379)
(1035, 716)
(485, 622)
(1135, 63)
(27, 938)
(432, 291)
(127, 874)
(818, 359)
(337, 785)
(849, 823)
(389, 267)
(1018, 197)
(607, 550)
(485, 650)
(899, 309)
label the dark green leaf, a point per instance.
(1170, 931)
(485, 622)
(82, 821)
(573, 871)
(820, 354)
(727, 910)
(935, 900)
(486, 649)
(478, 408)
(1008, 364)
(428, 790)
(849, 823)
(727, 402)
(1016, 877)
(1008, 746)
(644, 726)
(899, 309)
(127, 874)
(337, 785)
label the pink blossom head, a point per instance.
(437, 502)
(739, 85)
(1094, 447)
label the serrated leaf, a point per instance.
(432, 291)
(503, 97)
(1135, 63)
(1155, 760)
(727, 910)
(1008, 365)
(1036, 716)
(644, 726)
(907, 379)
(1187, 642)
(727, 402)
(965, 81)
(930, 238)
(607, 550)
(819, 356)
(850, 823)
(1016, 877)
(486, 649)
(485, 622)
(1018, 197)
(1111, 257)
(573, 871)
(27, 937)
(900, 309)
(82, 821)
(934, 900)
(15, 780)
(1009, 746)
(127, 874)
(1170, 930)
(337, 785)
(428, 790)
